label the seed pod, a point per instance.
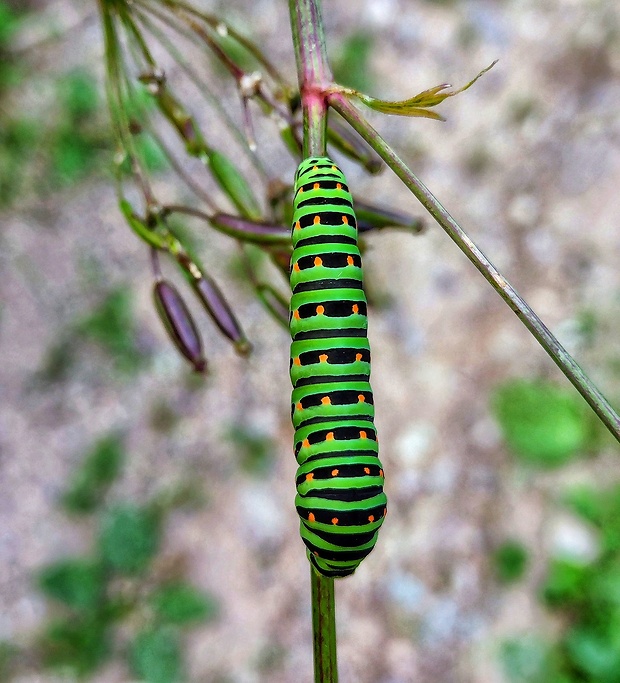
(343, 138)
(179, 323)
(215, 304)
(251, 231)
(233, 183)
(274, 302)
(372, 217)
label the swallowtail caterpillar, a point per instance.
(340, 498)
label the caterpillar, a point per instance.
(340, 498)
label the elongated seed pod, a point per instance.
(340, 498)
(179, 323)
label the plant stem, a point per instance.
(313, 72)
(324, 628)
(314, 75)
(534, 324)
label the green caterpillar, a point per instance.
(340, 498)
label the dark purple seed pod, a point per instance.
(179, 323)
(215, 304)
(221, 313)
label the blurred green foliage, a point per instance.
(255, 451)
(542, 424)
(112, 602)
(156, 655)
(89, 484)
(112, 326)
(510, 561)
(351, 64)
(129, 538)
(585, 595)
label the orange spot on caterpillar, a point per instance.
(296, 267)
(363, 435)
(326, 401)
(318, 261)
(329, 436)
(296, 314)
(380, 473)
(310, 476)
(335, 473)
(320, 310)
(297, 225)
(315, 168)
(311, 517)
(339, 186)
(334, 167)
(345, 220)
(335, 520)
(301, 190)
(367, 470)
(299, 406)
(305, 443)
(297, 361)
(358, 356)
(317, 220)
(371, 518)
(349, 260)
(355, 308)
(323, 358)
(317, 186)
(360, 398)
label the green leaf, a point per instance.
(527, 660)
(79, 644)
(72, 156)
(352, 64)
(129, 538)
(542, 424)
(180, 603)
(78, 93)
(586, 502)
(510, 561)
(100, 468)
(9, 23)
(419, 104)
(234, 184)
(156, 656)
(112, 326)
(76, 582)
(594, 655)
(566, 583)
(255, 451)
(151, 153)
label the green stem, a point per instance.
(534, 324)
(324, 628)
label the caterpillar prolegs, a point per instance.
(340, 498)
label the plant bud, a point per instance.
(179, 323)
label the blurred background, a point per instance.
(147, 525)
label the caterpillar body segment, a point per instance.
(340, 498)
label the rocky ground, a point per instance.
(529, 163)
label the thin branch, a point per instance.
(534, 324)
